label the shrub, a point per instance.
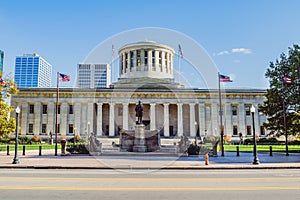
(4, 140)
(193, 149)
(227, 138)
(36, 139)
(23, 139)
(77, 148)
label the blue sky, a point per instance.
(242, 37)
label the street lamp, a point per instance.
(16, 159)
(255, 161)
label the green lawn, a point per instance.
(262, 148)
(3, 147)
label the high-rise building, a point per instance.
(31, 70)
(93, 75)
(1, 62)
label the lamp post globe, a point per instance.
(16, 159)
(255, 160)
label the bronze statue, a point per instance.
(139, 108)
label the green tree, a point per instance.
(7, 124)
(279, 92)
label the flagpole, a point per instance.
(56, 113)
(179, 66)
(112, 63)
(221, 114)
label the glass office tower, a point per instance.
(31, 70)
(93, 75)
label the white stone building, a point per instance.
(146, 74)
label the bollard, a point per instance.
(206, 159)
(24, 150)
(237, 151)
(40, 150)
(271, 153)
(7, 150)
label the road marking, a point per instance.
(146, 179)
(147, 189)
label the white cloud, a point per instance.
(241, 50)
(221, 53)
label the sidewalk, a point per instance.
(148, 161)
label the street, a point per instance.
(149, 184)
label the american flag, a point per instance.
(287, 80)
(64, 77)
(2, 82)
(180, 51)
(223, 78)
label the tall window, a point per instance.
(44, 126)
(234, 110)
(44, 109)
(262, 130)
(131, 59)
(71, 109)
(126, 61)
(235, 130)
(31, 108)
(138, 58)
(153, 60)
(166, 62)
(58, 109)
(71, 128)
(30, 128)
(249, 130)
(247, 109)
(146, 57)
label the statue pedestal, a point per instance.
(139, 144)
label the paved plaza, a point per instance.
(148, 161)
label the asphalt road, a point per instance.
(143, 185)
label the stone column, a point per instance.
(77, 115)
(99, 119)
(111, 119)
(90, 114)
(143, 58)
(124, 66)
(152, 116)
(125, 116)
(166, 120)
(168, 63)
(180, 120)
(24, 118)
(215, 119)
(51, 118)
(227, 119)
(241, 120)
(171, 64)
(149, 60)
(192, 120)
(201, 118)
(163, 62)
(129, 61)
(37, 118)
(63, 118)
(156, 60)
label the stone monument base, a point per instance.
(139, 140)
